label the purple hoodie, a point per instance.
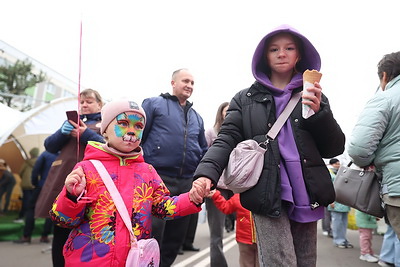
(292, 181)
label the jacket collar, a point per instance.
(392, 82)
(174, 98)
(260, 93)
(91, 117)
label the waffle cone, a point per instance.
(312, 76)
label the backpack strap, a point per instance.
(116, 196)
(273, 132)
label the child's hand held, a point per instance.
(196, 193)
(200, 189)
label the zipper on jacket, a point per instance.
(184, 146)
(253, 229)
(122, 161)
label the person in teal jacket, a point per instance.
(366, 224)
(376, 136)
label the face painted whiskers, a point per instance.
(130, 137)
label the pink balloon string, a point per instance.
(81, 198)
(79, 88)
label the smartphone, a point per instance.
(73, 116)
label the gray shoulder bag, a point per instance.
(246, 160)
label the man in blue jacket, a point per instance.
(174, 143)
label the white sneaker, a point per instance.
(368, 258)
(385, 264)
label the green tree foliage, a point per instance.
(15, 79)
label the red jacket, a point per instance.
(245, 231)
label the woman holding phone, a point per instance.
(70, 141)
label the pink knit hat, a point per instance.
(116, 107)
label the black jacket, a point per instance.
(251, 114)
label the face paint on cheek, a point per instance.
(139, 134)
(119, 131)
(133, 120)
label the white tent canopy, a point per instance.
(9, 118)
(44, 119)
(29, 129)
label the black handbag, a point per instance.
(359, 189)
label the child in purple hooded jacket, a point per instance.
(297, 181)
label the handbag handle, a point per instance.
(364, 169)
(116, 196)
(349, 164)
(273, 132)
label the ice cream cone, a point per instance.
(309, 78)
(312, 76)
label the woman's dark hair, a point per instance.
(220, 118)
(390, 64)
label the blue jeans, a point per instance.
(390, 251)
(339, 227)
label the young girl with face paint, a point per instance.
(99, 236)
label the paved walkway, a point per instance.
(37, 254)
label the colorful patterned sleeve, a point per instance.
(167, 207)
(65, 212)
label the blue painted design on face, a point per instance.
(129, 125)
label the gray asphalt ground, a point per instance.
(38, 255)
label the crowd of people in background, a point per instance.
(162, 150)
(7, 183)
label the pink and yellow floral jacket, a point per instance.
(99, 236)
